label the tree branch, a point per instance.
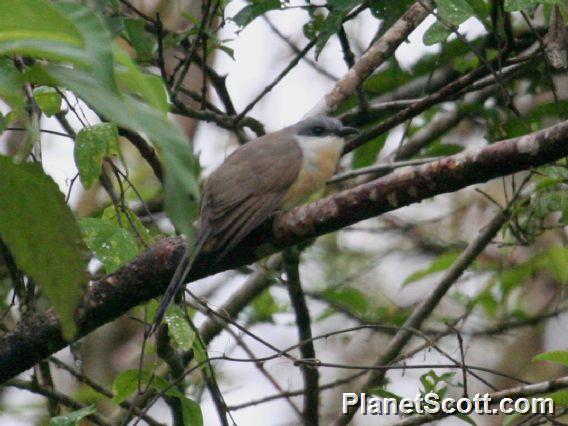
(39, 335)
(427, 306)
(377, 53)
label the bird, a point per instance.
(275, 172)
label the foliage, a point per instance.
(111, 75)
(43, 236)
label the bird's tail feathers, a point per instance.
(176, 283)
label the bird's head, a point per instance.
(321, 126)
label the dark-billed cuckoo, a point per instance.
(277, 171)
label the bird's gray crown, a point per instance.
(319, 126)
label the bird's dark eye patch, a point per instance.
(318, 131)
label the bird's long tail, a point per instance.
(177, 282)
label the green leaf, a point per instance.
(329, 27)
(252, 11)
(455, 11)
(348, 297)
(77, 36)
(43, 236)
(514, 5)
(63, 31)
(30, 25)
(560, 398)
(313, 27)
(228, 50)
(200, 353)
(128, 220)
(515, 276)
(488, 302)
(441, 263)
(10, 85)
(112, 245)
(481, 8)
(558, 263)
(192, 415)
(129, 381)
(73, 418)
(263, 307)
(178, 327)
(142, 41)
(48, 99)
(387, 78)
(91, 146)
(437, 33)
(366, 154)
(182, 168)
(4, 121)
(149, 87)
(97, 40)
(557, 357)
(389, 11)
(333, 21)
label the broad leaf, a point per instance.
(129, 381)
(91, 146)
(389, 11)
(181, 165)
(48, 99)
(10, 85)
(452, 11)
(178, 328)
(64, 31)
(455, 11)
(437, 33)
(73, 34)
(149, 87)
(329, 27)
(192, 415)
(128, 220)
(366, 154)
(142, 41)
(112, 245)
(43, 236)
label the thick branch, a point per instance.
(147, 276)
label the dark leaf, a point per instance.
(43, 236)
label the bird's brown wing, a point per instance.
(246, 189)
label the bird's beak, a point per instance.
(347, 131)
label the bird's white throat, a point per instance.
(320, 156)
(315, 149)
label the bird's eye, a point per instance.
(318, 131)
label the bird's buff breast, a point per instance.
(319, 162)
